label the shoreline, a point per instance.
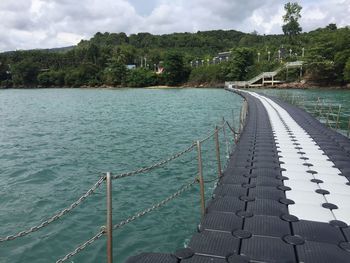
(291, 85)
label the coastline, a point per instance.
(291, 85)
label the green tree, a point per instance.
(116, 72)
(291, 27)
(51, 78)
(85, 74)
(332, 27)
(212, 74)
(241, 60)
(320, 70)
(175, 70)
(141, 77)
(340, 60)
(347, 71)
(25, 72)
(4, 71)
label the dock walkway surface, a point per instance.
(284, 197)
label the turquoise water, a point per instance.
(329, 99)
(55, 143)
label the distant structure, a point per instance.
(160, 70)
(131, 67)
(222, 56)
(266, 78)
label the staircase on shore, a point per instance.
(265, 78)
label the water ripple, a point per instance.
(54, 145)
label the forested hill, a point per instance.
(103, 59)
(198, 44)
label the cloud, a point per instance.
(27, 24)
(321, 13)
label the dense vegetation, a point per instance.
(102, 60)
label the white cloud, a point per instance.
(321, 13)
(52, 23)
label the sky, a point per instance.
(31, 24)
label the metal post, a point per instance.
(240, 121)
(316, 105)
(349, 127)
(109, 228)
(200, 177)
(217, 143)
(226, 141)
(321, 109)
(338, 116)
(233, 127)
(244, 112)
(303, 102)
(329, 110)
(233, 118)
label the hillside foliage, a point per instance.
(103, 59)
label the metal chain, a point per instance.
(212, 180)
(124, 222)
(232, 130)
(56, 216)
(155, 206)
(212, 134)
(82, 246)
(154, 166)
(95, 186)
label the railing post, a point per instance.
(233, 118)
(233, 126)
(109, 228)
(200, 177)
(217, 143)
(245, 110)
(338, 117)
(349, 128)
(226, 141)
(328, 112)
(240, 120)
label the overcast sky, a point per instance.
(27, 24)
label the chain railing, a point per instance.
(155, 206)
(90, 192)
(82, 246)
(56, 216)
(108, 177)
(332, 115)
(156, 165)
(126, 221)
